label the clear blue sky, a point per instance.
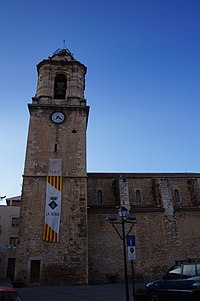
(143, 80)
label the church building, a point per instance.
(64, 237)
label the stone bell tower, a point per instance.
(53, 221)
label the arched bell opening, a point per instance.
(60, 86)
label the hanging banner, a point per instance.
(53, 201)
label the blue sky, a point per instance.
(143, 60)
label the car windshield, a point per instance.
(9, 296)
(174, 273)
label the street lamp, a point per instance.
(125, 218)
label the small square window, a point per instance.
(15, 221)
(13, 241)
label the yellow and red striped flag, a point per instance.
(53, 209)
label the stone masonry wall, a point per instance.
(66, 261)
(165, 231)
(63, 262)
(194, 187)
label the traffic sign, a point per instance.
(131, 247)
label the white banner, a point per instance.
(53, 209)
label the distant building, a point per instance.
(64, 237)
(9, 226)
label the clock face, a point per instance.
(58, 117)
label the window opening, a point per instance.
(13, 241)
(138, 196)
(177, 196)
(60, 86)
(15, 221)
(99, 196)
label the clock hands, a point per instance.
(57, 117)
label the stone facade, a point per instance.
(166, 205)
(167, 228)
(60, 90)
(9, 223)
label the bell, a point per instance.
(60, 88)
(60, 93)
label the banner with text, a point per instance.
(53, 208)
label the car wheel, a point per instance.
(154, 296)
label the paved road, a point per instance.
(106, 292)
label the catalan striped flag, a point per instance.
(53, 209)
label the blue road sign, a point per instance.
(131, 247)
(130, 240)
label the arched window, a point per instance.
(177, 196)
(99, 196)
(138, 196)
(60, 86)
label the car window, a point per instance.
(174, 273)
(189, 270)
(198, 269)
(17, 298)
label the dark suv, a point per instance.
(181, 282)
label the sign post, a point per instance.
(131, 247)
(131, 257)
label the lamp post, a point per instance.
(122, 213)
(129, 219)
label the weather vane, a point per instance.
(63, 48)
